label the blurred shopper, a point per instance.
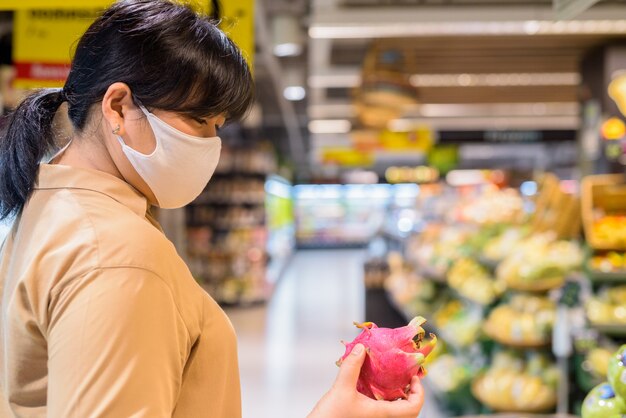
(100, 316)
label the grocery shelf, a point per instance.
(606, 278)
(519, 415)
(488, 263)
(215, 202)
(535, 345)
(232, 233)
(544, 286)
(240, 173)
(611, 329)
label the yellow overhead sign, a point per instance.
(43, 43)
(347, 157)
(46, 31)
(52, 4)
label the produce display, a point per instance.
(448, 373)
(609, 262)
(412, 292)
(394, 357)
(604, 211)
(515, 385)
(492, 206)
(499, 247)
(611, 230)
(540, 262)
(458, 323)
(608, 307)
(525, 320)
(607, 400)
(616, 372)
(603, 403)
(597, 361)
(493, 287)
(437, 249)
(472, 281)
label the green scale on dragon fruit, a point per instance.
(394, 356)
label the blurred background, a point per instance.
(463, 160)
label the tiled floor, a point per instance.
(288, 348)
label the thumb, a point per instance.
(351, 367)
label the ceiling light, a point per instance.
(438, 110)
(287, 36)
(495, 80)
(458, 178)
(474, 28)
(288, 49)
(336, 77)
(294, 93)
(292, 78)
(532, 27)
(330, 126)
(486, 123)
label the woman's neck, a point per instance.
(88, 153)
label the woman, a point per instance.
(100, 316)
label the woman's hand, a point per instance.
(344, 401)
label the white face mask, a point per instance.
(180, 166)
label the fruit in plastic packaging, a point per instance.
(513, 384)
(394, 356)
(602, 402)
(617, 372)
(608, 307)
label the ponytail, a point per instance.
(135, 42)
(27, 138)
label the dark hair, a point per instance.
(171, 57)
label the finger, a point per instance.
(351, 367)
(416, 393)
(410, 407)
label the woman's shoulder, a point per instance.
(76, 223)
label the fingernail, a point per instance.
(358, 349)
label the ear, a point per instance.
(116, 104)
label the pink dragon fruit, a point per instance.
(394, 356)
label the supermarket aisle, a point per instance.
(288, 348)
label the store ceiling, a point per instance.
(474, 62)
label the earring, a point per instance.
(116, 130)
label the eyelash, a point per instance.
(201, 121)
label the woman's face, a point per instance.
(141, 138)
(119, 110)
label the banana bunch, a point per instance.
(608, 307)
(473, 282)
(513, 385)
(525, 320)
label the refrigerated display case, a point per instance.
(345, 215)
(280, 223)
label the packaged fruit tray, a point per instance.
(516, 415)
(481, 389)
(616, 330)
(606, 266)
(603, 210)
(539, 286)
(513, 343)
(524, 321)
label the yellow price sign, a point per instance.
(347, 157)
(46, 31)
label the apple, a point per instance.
(617, 372)
(602, 402)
